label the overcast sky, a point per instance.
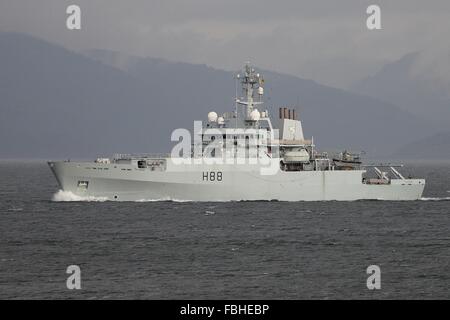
(326, 41)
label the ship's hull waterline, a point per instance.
(126, 182)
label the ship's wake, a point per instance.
(435, 199)
(165, 199)
(67, 196)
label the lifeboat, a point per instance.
(296, 155)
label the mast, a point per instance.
(250, 81)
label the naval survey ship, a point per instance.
(238, 156)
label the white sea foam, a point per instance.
(435, 199)
(162, 199)
(153, 200)
(62, 195)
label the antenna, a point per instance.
(251, 84)
(237, 77)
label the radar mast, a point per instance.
(251, 86)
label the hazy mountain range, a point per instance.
(58, 103)
(418, 83)
(436, 146)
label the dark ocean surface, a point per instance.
(249, 250)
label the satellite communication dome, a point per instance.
(255, 115)
(212, 116)
(260, 91)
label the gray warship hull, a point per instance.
(127, 182)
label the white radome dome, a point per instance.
(260, 91)
(212, 116)
(255, 115)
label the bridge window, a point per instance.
(142, 164)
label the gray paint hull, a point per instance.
(126, 182)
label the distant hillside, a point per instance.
(418, 83)
(57, 103)
(436, 146)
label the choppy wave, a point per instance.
(14, 209)
(435, 199)
(62, 196)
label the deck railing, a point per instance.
(121, 156)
